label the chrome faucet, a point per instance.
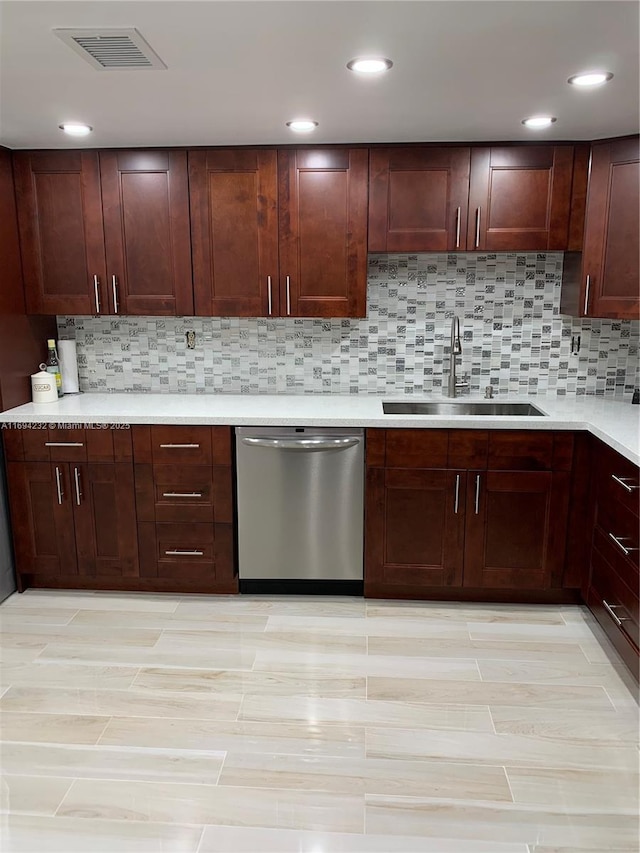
(456, 349)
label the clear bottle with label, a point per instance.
(53, 365)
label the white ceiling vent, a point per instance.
(108, 49)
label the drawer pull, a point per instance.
(623, 548)
(182, 494)
(610, 608)
(177, 552)
(64, 444)
(178, 446)
(623, 483)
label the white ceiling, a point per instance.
(237, 71)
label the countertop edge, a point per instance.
(120, 410)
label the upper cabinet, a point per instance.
(104, 233)
(493, 199)
(520, 198)
(234, 230)
(322, 197)
(605, 280)
(145, 203)
(266, 232)
(418, 199)
(61, 233)
(279, 233)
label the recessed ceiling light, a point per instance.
(76, 129)
(302, 125)
(538, 122)
(590, 78)
(369, 65)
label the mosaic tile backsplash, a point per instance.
(514, 338)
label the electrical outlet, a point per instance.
(191, 339)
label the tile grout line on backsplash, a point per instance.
(514, 338)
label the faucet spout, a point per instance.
(456, 349)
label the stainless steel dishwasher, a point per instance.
(300, 494)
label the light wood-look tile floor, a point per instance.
(136, 723)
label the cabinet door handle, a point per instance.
(178, 552)
(288, 285)
(114, 285)
(477, 227)
(96, 292)
(76, 477)
(269, 294)
(64, 444)
(456, 499)
(623, 483)
(457, 228)
(618, 540)
(59, 485)
(587, 288)
(178, 446)
(182, 494)
(477, 493)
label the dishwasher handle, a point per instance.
(302, 444)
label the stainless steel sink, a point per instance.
(463, 408)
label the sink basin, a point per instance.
(462, 408)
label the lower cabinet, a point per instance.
(453, 530)
(415, 527)
(73, 521)
(154, 513)
(515, 530)
(614, 574)
(184, 508)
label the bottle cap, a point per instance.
(51, 342)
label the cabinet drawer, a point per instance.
(184, 551)
(621, 528)
(620, 602)
(190, 493)
(55, 445)
(618, 479)
(38, 443)
(623, 567)
(181, 445)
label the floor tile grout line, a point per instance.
(201, 839)
(477, 663)
(222, 763)
(506, 776)
(493, 722)
(66, 794)
(106, 726)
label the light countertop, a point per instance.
(614, 422)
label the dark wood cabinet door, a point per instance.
(520, 198)
(414, 527)
(612, 233)
(41, 506)
(322, 197)
(145, 198)
(234, 232)
(61, 231)
(516, 529)
(418, 199)
(103, 501)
